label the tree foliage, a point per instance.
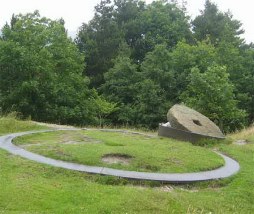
(141, 100)
(141, 58)
(216, 25)
(41, 72)
(157, 66)
(140, 26)
(211, 93)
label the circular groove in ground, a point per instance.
(230, 168)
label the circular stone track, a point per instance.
(230, 168)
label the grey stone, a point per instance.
(182, 135)
(187, 119)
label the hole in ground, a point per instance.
(117, 158)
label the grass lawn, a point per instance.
(149, 154)
(10, 125)
(29, 187)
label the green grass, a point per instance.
(148, 154)
(10, 124)
(29, 187)
(246, 134)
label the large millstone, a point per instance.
(187, 119)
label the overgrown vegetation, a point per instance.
(128, 66)
(41, 73)
(153, 65)
(9, 124)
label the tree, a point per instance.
(41, 72)
(99, 40)
(244, 82)
(120, 84)
(139, 25)
(120, 80)
(140, 97)
(103, 109)
(162, 22)
(157, 66)
(184, 57)
(211, 93)
(151, 105)
(217, 26)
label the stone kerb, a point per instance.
(230, 168)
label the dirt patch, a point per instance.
(117, 159)
(78, 139)
(86, 140)
(55, 126)
(31, 144)
(166, 188)
(149, 168)
(175, 161)
(241, 142)
(189, 190)
(71, 142)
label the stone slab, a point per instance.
(183, 118)
(166, 131)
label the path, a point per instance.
(230, 168)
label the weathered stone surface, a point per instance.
(187, 119)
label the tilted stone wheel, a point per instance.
(187, 119)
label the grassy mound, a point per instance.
(149, 154)
(29, 187)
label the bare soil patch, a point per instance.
(117, 159)
(241, 142)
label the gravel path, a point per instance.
(230, 168)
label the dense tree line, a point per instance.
(41, 73)
(128, 66)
